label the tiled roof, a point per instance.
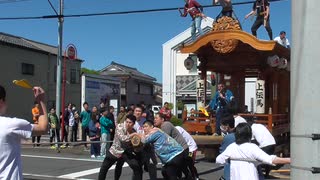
(26, 43)
(30, 44)
(125, 70)
(10, 39)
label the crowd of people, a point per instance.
(94, 124)
(243, 143)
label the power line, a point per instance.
(12, 1)
(119, 12)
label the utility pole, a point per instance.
(305, 94)
(59, 62)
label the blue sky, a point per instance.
(134, 40)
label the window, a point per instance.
(145, 89)
(73, 76)
(27, 69)
(136, 88)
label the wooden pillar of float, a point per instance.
(275, 93)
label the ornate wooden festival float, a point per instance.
(235, 55)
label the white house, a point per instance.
(179, 83)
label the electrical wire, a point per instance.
(12, 1)
(118, 13)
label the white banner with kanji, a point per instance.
(200, 93)
(260, 97)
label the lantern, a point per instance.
(189, 63)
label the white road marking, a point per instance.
(81, 173)
(88, 172)
(61, 158)
(53, 177)
(74, 175)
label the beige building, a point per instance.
(135, 85)
(26, 59)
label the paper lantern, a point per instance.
(283, 63)
(273, 61)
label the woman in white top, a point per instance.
(242, 155)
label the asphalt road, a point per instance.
(75, 163)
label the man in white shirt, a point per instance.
(281, 39)
(265, 141)
(192, 151)
(12, 130)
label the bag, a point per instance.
(53, 126)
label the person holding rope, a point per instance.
(262, 9)
(167, 127)
(169, 151)
(12, 130)
(195, 10)
(242, 154)
(122, 151)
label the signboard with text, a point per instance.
(260, 97)
(200, 93)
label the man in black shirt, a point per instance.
(111, 117)
(262, 8)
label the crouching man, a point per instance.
(169, 151)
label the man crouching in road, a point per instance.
(122, 151)
(169, 151)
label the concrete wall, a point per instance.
(20, 100)
(135, 97)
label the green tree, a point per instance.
(89, 71)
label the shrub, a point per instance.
(176, 121)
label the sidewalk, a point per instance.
(45, 146)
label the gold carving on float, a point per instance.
(225, 23)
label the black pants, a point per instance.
(128, 157)
(65, 133)
(192, 168)
(187, 161)
(34, 139)
(258, 22)
(55, 135)
(85, 133)
(171, 169)
(269, 150)
(149, 161)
